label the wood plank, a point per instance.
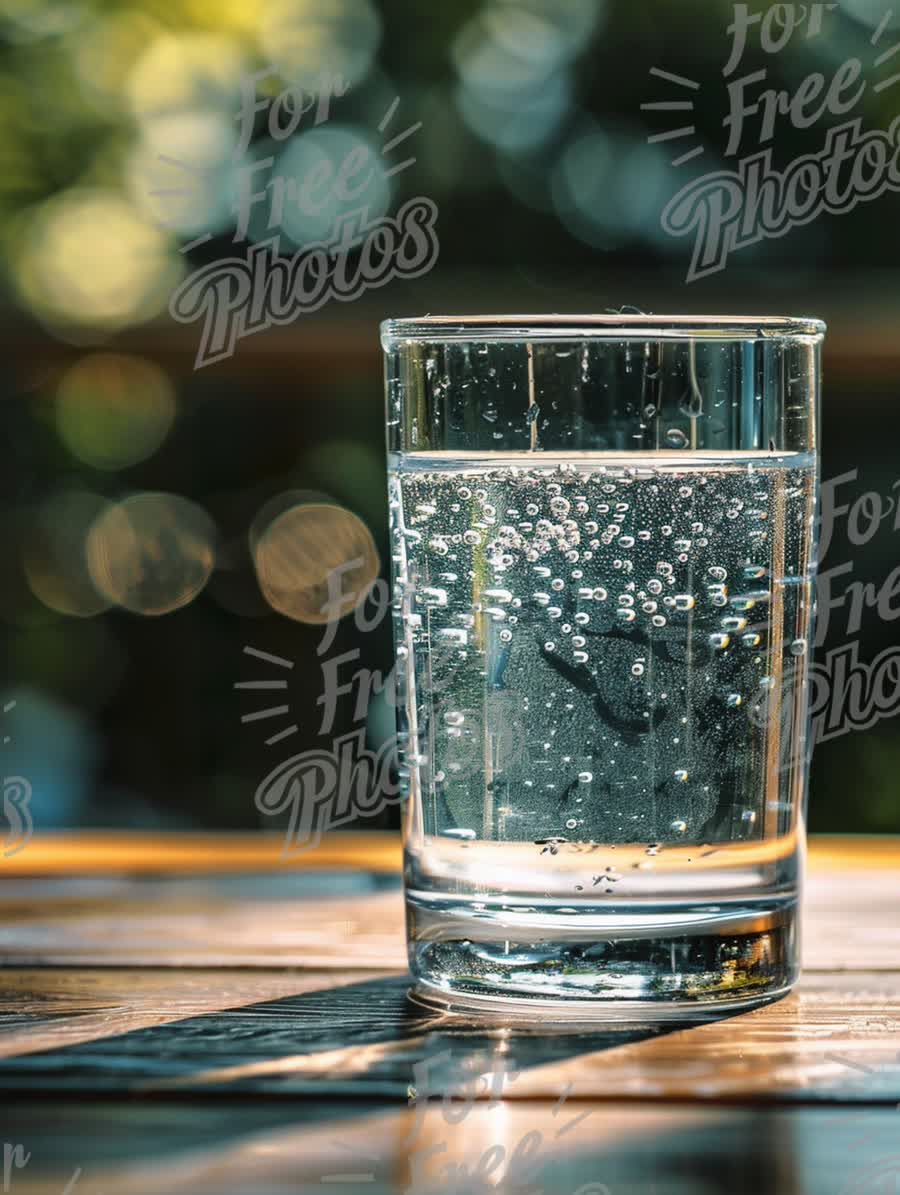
(171, 925)
(323, 919)
(53, 1008)
(201, 1033)
(140, 852)
(118, 852)
(650, 1149)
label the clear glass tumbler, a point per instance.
(603, 543)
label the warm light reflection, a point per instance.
(54, 553)
(296, 551)
(89, 259)
(113, 410)
(151, 553)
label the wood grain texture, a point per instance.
(293, 985)
(538, 1146)
(346, 918)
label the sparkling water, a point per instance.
(591, 646)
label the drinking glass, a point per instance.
(603, 548)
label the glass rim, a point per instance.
(621, 326)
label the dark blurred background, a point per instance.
(145, 503)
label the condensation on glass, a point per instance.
(603, 548)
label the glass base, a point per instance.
(650, 962)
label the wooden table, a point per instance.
(195, 1015)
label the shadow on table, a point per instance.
(363, 1040)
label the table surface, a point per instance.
(198, 1015)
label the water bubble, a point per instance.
(733, 700)
(571, 823)
(600, 594)
(625, 599)
(684, 601)
(681, 775)
(719, 641)
(734, 624)
(557, 584)
(748, 817)
(798, 647)
(505, 636)
(678, 826)
(625, 615)
(454, 718)
(637, 669)
(582, 619)
(654, 586)
(554, 612)
(658, 620)
(580, 657)
(471, 537)
(402, 652)
(433, 597)
(464, 492)
(751, 639)
(585, 777)
(676, 438)
(460, 833)
(549, 645)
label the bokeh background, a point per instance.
(151, 512)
